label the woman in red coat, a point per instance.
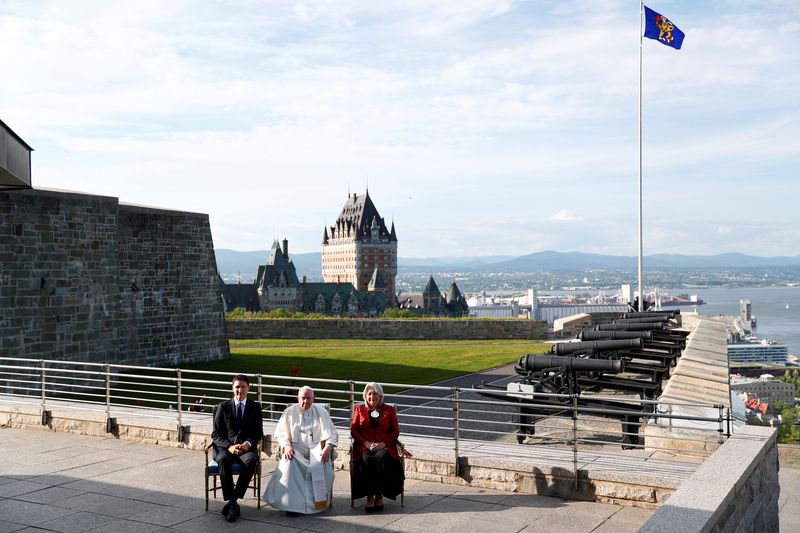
(377, 471)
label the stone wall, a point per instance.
(736, 489)
(386, 329)
(84, 278)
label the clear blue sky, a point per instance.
(480, 126)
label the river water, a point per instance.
(768, 304)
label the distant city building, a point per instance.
(239, 296)
(763, 351)
(276, 282)
(432, 302)
(626, 293)
(766, 388)
(277, 287)
(359, 249)
(553, 312)
(747, 320)
(495, 311)
(342, 300)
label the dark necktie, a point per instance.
(239, 414)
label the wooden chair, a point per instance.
(212, 472)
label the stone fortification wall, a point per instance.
(83, 278)
(386, 329)
(736, 489)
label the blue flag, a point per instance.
(662, 30)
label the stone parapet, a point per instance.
(736, 489)
(353, 328)
(700, 377)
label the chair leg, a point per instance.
(258, 485)
(352, 500)
(206, 489)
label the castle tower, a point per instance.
(358, 248)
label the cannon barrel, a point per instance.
(642, 320)
(640, 326)
(535, 363)
(672, 313)
(567, 348)
(590, 335)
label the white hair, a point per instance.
(377, 388)
(304, 388)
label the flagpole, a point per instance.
(641, 30)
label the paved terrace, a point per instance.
(73, 483)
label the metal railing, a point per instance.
(454, 421)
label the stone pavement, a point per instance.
(70, 483)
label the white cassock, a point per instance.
(301, 485)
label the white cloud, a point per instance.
(475, 109)
(565, 216)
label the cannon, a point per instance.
(621, 326)
(652, 340)
(596, 346)
(538, 363)
(659, 331)
(541, 377)
(592, 335)
(605, 358)
(672, 313)
(655, 366)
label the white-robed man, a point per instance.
(304, 476)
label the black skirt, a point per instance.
(377, 473)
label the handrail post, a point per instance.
(107, 371)
(260, 380)
(180, 397)
(728, 421)
(45, 413)
(352, 396)
(181, 429)
(721, 429)
(109, 420)
(44, 394)
(456, 429)
(574, 410)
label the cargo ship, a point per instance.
(681, 299)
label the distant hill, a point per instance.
(577, 261)
(244, 265)
(232, 263)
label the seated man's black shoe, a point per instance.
(233, 513)
(292, 513)
(225, 509)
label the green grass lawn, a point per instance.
(412, 362)
(403, 362)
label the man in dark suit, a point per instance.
(238, 429)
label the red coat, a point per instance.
(387, 430)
